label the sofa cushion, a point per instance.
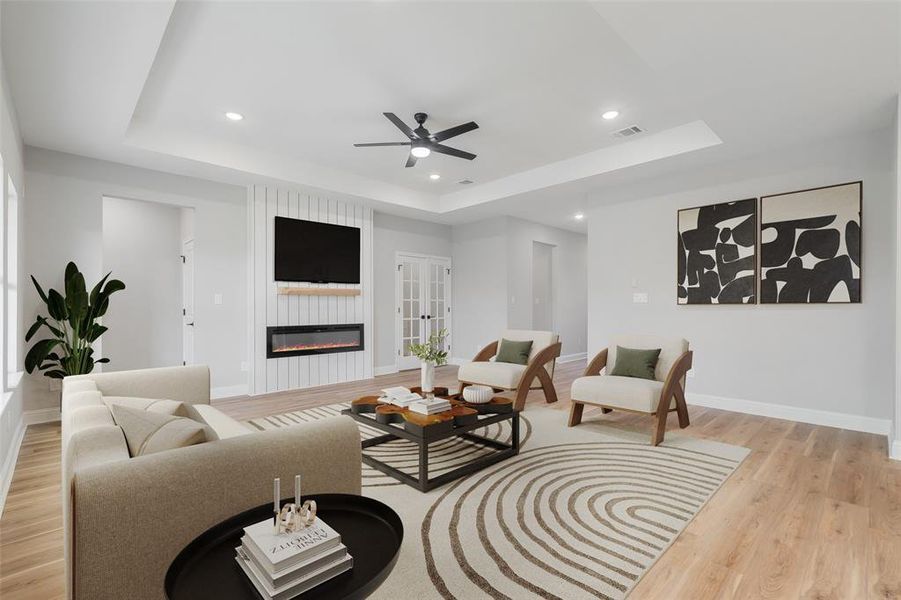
(618, 392)
(157, 405)
(79, 385)
(77, 400)
(85, 417)
(148, 432)
(219, 426)
(495, 374)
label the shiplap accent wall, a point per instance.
(268, 308)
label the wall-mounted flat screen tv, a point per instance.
(316, 252)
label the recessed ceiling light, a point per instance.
(434, 176)
(610, 114)
(420, 151)
(578, 216)
(233, 116)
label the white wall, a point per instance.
(65, 222)
(142, 247)
(493, 282)
(11, 399)
(803, 361)
(391, 235)
(480, 285)
(270, 308)
(568, 274)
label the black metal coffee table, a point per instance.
(372, 532)
(423, 430)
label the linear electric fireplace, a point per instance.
(298, 340)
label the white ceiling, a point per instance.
(148, 83)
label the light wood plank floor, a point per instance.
(813, 512)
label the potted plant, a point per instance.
(431, 355)
(73, 326)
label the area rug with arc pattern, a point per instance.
(581, 512)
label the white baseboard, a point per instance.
(41, 415)
(894, 450)
(228, 391)
(793, 413)
(9, 465)
(572, 357)
(386, 370)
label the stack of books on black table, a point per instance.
(430, 406)
(285, 565)
(400, 396)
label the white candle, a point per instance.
(276, 494)
(297, 490)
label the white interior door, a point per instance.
(423, 295)
(187, 290)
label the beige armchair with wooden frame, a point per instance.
(631, 394)
(538, 373)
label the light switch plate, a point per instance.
(691, 372)
(217, 299)
(640, 298)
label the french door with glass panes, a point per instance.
(423, 293)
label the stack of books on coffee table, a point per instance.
(400, 396)
(282, 566)
(430, 406)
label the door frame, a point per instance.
(188, 246)
(424, 299)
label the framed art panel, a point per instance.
(810, 245)
(717, 253)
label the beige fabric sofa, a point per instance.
(125, 519)
(538, 373)
(631, 394)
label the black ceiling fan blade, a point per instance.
(400, 125)
(382, 144)
(411, 161)
(451, 151)
(454, 131)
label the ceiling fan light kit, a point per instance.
(422, 143)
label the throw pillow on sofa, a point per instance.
(162, 406)
(148, 432)
(631, 362)
(515, 352)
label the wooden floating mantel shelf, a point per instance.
(318, 291)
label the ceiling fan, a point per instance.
(422, 143)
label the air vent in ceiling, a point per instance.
(465, 181)
(628, 131)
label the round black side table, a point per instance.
(372, 532)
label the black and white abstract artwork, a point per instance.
(717, 260)
(810, 245)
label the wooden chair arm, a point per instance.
(486, 353)
(674, 378)
(597, 363)
(546, 355)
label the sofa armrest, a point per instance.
(131, 518)
(486, 353)
(190, 384)
(597, 363)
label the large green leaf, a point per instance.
(95, 332)
(38, 353)
(37, 286)
(38, 323)
(76, 298)
(113, 286)
(96, 290)
(56, 305)
(101, 361)
(56, 374)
